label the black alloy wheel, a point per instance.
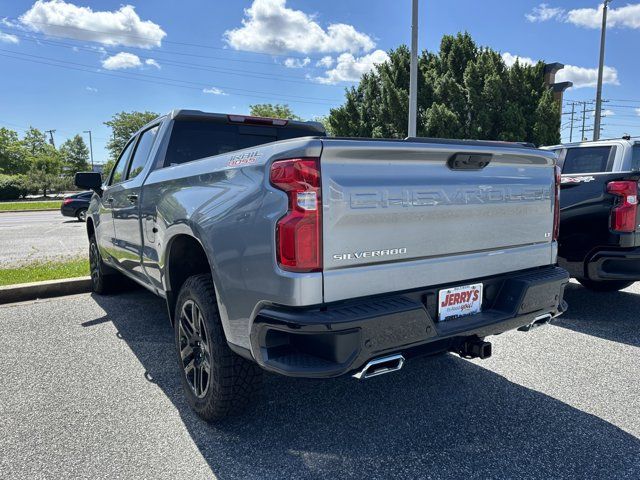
(195, 348)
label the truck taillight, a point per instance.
(299, 232)
(624, 213)
(556, 206)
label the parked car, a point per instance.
(76, 205)
(279, 248)
(599, 234)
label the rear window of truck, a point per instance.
(588, 160)
(192, 139)
(635, 158)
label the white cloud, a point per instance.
(214, 91)
(510, 59)
(296, 62)
(152, 63)
(121, 61)
(326, 62)
(587, 77)
(91, 89)
(350, 68)
(580, 76)
(7, 22)
(638, 111)
(605, 113)
(269, 26)
(8, 38)
(544, 12)
(118, 27)
(627, 16)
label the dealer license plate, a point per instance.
(459, 301)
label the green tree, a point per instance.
(107, 167)
(324, 120)
(75, 155)
(123, 126)
(464, 91)
(35, 141)
(44, 172)
(273, 111)
(13, 155)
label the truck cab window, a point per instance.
(588, 160)
(635, 157)
(141, 154)
(118, 171)
(192, 139)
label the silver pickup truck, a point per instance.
(281, 249)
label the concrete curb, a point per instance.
(51, 288)
(31, 210)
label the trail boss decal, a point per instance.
(246, 158)
(458, 301)
(583, 179)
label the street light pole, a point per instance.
(90, 147)
(413, 73)
(603, 32)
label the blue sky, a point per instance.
(70, 65)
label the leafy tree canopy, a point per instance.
(123, 126)
(12, 153)
(45, 169)
(273, 111)
(75, 155)
(464, 91)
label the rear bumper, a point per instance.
(614, 264)
(335, 339)
(68, 211)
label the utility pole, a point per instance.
(51, 132)
(573, 109)
(603, 32)
(90, 147)
(584, 117)
(413, 73)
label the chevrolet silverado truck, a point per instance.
(279, 248)
(599, 240)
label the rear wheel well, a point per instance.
(185, 257)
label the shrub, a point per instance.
(12, 187)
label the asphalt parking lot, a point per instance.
(89, 389)
(40, 236)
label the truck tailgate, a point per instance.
(399, 215)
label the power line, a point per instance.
(193, 66)
(139, 37)
(25, 128)
(201, 84)
(160, 80)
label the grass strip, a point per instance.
(41, 205)
(38, 272)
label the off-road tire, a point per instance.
(233, 382)
(103, 278)
(605, 286)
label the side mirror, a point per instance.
(89, 181)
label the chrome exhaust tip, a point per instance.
(380, 366)
(539, 321)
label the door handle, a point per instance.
(132, 198)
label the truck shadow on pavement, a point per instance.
(612, 316)
(440, 417)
